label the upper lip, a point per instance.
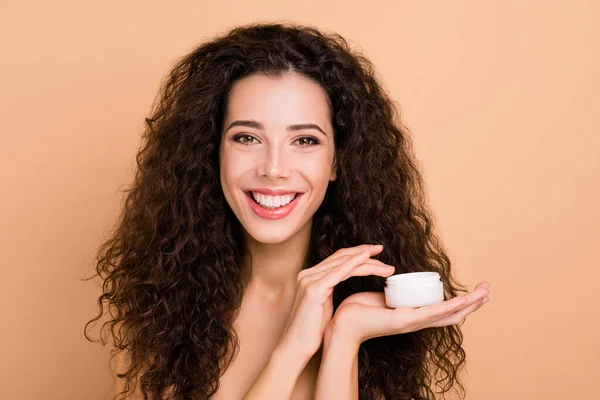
(273, 192)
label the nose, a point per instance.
(274, 164)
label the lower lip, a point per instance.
(275, 213)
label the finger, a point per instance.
(352, 251)
(335, 258)
(448, 307)
(458, 317)
(376, 298)
(369, 268)
(335, 275)
(385, 321)
(319, 270)
(370, 264)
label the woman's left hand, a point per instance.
(365, 315)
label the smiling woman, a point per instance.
(274, 171)
(276, 159)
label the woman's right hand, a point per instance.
(313, 307)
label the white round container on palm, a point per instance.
(414, 289)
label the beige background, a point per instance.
(502, 100)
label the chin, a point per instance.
(272, 237)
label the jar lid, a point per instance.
(413, 278)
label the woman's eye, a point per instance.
(244, 138)
(306, 141)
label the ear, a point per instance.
(333, 174)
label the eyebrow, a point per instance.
(258, 125)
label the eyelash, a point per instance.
(236, 138)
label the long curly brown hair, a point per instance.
(172, 284)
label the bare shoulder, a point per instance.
(122, 364)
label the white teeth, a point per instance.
(273, 201)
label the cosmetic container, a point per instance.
(413, 289)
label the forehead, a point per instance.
(278, 100)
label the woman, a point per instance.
(275, 192)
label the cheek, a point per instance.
(227, 174)
(230, 167)
(317, 170)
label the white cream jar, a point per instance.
(414, 289)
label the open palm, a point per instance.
(365, 315)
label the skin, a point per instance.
(363, 316)
(275, 158)
(272, 156)
(291, 345)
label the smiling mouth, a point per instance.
(272, 202)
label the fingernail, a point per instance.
(486, 285)
(485, 300)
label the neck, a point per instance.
(272, 268)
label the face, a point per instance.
(276, 155)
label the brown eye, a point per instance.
(243, 138)
(307, 141)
